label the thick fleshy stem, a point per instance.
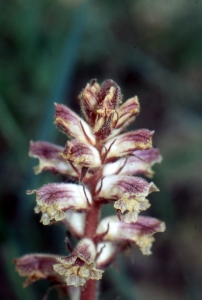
(89, 291)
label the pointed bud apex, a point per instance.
(125, 115)
(79, 266)
(81, 154)
(140, 232)
(54, 199)
(88, 101)
(71, 124)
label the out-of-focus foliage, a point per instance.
(49, 49)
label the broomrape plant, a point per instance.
(102, 161)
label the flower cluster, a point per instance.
(104, 162)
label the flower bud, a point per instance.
(71, 124)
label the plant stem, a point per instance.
(89, 291)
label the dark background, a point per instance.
(49, 50)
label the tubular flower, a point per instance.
(54, 199)
(80, 265)
(141, 232)
(101, 159)
(36, 267)
(129, 193)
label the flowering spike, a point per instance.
(100, 159)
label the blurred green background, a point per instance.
(49, 50)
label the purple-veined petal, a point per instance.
(88, 101)
(71, 124)
(79, 266)
(50, 158)
(37, 266)
(140, 162)
(81, 154)
(126, 144)
(125, 115)
(129, 192)
(54, 199)
(141, 232)
(117, 186)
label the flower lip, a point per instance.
(79, 266)
(54, 199)
(141, 232)
(128, 192)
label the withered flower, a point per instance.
(101, 159)
(37, 266)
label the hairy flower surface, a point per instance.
(98, 163)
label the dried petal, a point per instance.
(126, 144)
(81, 154)
(141, 232)
(37, 266)
(50, 158)
(140, 162)
(54, 199)
(71, 124)
(130, 193)
(79, 266)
